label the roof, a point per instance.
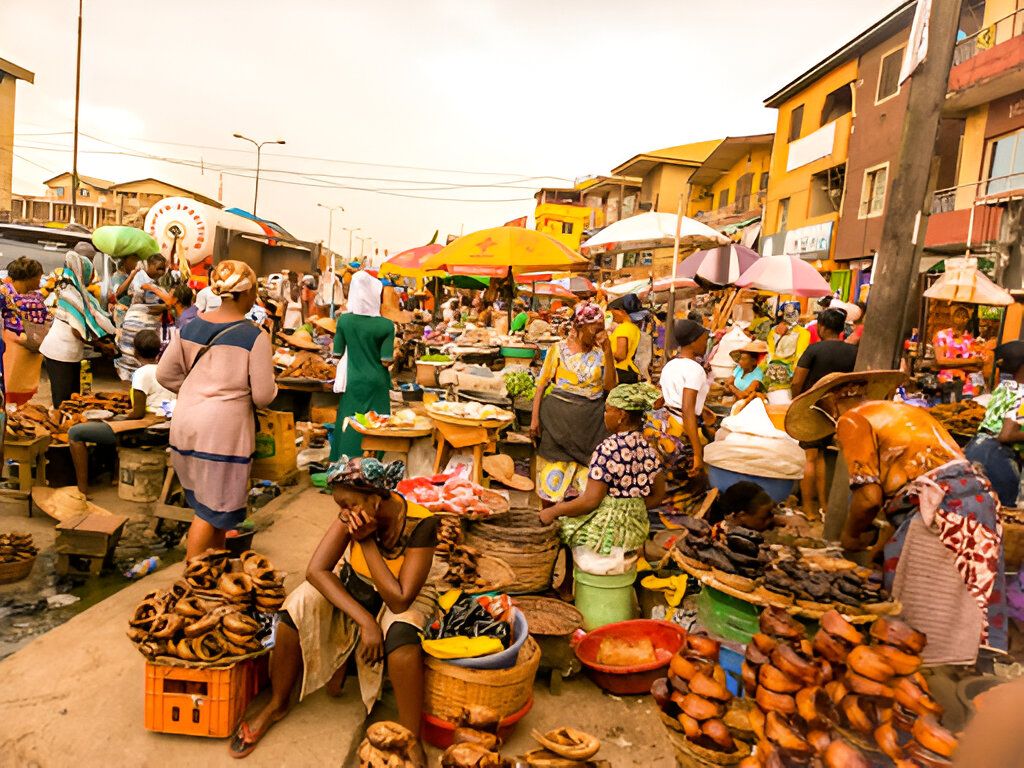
(92, 181)
(897, 19)
(684, 154)
(726, 155)
(16, 71)
(187, 192)
(595, 183)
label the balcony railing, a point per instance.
(998, 32)
(945, 200)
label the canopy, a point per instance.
(788, 275)
(963, 282)
(652, 230)
(497, 251)
(626, 286)
(576, 284)
(722, 265)
(664, 284)
(410, 263)
(549, 289)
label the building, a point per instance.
(728, 190)
(665, 173)
(10, 74)
(567, 213)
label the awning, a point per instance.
(732, 229)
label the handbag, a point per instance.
(341, 375)
(34, 334)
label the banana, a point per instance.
(840, 754)
(706, 686)
(932, 736)
(754, 655)
(776, 680)
(869, 663)
(756, 716)
(901, 662)
(783, 735)
(836, 690)
(834, 623)
(774, 702)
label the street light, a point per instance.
(259, 147)
(330, 220)
(362, 243)
(350, 231)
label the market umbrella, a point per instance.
(721, 265)
(410, 263)
(498, 251)
(576, 284)
(963, 282)
(650, 230)
(549, 289)
(788, 275)
(626, 286)
(665, 284)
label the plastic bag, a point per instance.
(124, 241)
(468, 618)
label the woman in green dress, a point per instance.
(366, 343)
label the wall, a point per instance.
(550, 216)
(7, 92)
(673, 180)
(756, 161)
(972, 155)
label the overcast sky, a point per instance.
(399, 95)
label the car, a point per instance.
(47, 245)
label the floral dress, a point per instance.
(957, 346)
(21, 365)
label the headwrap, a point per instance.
(75, 305)
(686, 332)
(1010, 356)
(586, 313)
(791, 315)
(366, 474)
(232, 277)
(634, 397)
(364, 295)
(629, 304)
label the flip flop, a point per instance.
(248, 740)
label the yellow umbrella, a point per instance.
(410, 263)
(496, 251)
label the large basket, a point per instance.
(16, 571)
(690, 755)
(519, 539)
(448, 688)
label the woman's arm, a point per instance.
(691, 428)
(124, 286)
(398, 593)
(171, 370)
(339, 340)
(583, 504)
(1011, 432)
(865, 502)
(611, 378)
(320, 573)
(261, 372)
(657, 494)
(796, 386)
(621, 348)
(547, 373)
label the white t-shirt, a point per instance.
(144, 380)
(207, 300)
(61, 344)
(682, 373)
(141, 278)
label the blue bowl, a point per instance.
(503, 659)
(723, 480)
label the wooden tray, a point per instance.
(390, 431)
(462, 422)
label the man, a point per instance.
(830, 355)
(206, 299)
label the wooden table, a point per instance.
(487, 442)
(389, 440)
(86, 543)
(28, 454)
(297, 396)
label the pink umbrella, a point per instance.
(663, 284)
(722, 265)
(788, 275)
(549, 289)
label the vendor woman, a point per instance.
(998, 442)
(945, 559)
(957, 352)
(607, 525)
(747, 376)
(365, 594)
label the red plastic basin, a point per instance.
(439, 733)
(666, 637)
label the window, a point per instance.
(566, 227)
(1006, 167)
(743, 185)
(783, 215)
(58, 191)
(723, 198)
(826, 192)
(82, 192)
(872, 195)
(796, 119)
(889, 76)
(837, 104)
(762, 184)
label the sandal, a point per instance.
(245, 741)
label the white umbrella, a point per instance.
(653, 230)
(626, 286)
(788, 275)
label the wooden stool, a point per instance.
(28, 454)
(88, 539)
(443, 447)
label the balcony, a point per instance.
(987, 65)
(969, 214)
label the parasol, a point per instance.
(787, 275)
(549, 289)
(963, 282)
(665, 284)
(626, 286)
(576, 284)
(651, 230)
(410, 263)
(497, 251)
(721, 266)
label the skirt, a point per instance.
(684, 493)
(617, 522)
(137, 318)
(571, 428)
(1000, 464)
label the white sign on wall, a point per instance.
(812, 239)
(812, 147)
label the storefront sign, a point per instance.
(810, 242)
(812, 147)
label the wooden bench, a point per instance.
(85, 543)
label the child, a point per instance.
(745, 505)
(187, 310)
(607, 525)
(374, 603)
(147, 398)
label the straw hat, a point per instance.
(807, 423)
(391, 308)
(299, 339)
(503, 469)
(326, 324)
(754, 347)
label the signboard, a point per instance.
(811, 147)
(810, 242)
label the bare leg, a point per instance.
(808, 484)
(820, 478)
(405, 668)
(337, 682)
(80, 458)
(201, 537)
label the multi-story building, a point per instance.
(10, 74)
(593, 202)
(727, 191)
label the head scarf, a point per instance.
(364, 295)
(587, 313)
(791, 315)
(634, 397)
(366, 474)
(232, 277)
(75, 305)
(1010, 356)
(686, 332)
(629, 304)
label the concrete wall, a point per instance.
(757, 161)
(7, 91)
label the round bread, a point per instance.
(166, 625)
(190, 607)
(235, 584)
(210, 646)
(145, 612)
(241, 624)
(206, 624)
(183, 650)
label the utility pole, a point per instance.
(259, 150)
(351, 231)
(78, 91)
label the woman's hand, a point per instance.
(549, 515)
(371, 643)
(698, 465)
(602, 340)
(535, 428)
(361, 525)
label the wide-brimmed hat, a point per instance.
(299, 339)
(328, 324)
(805, 422)
(754, 347)
(502, 468)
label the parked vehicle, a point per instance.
(47, 245)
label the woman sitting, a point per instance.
(607, 525)
(747, 377)
(744, 504)
(373, 603)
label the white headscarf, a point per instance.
(364, 294)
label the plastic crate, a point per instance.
(201, 702)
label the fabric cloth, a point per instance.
(684, 493)
(366, 474)
(141, 316)
(578, 373)
(951, 344)
(617, 522)
(631, 333)
(22, 306)
(1004, 403)
(144, 380)
(627, 464)
(1000, 464)
(742, 380)
(571, 427)
(61, 343)
(65, 379)
(213, 431)
(76, 306)
(21, 368)
(207, 300)
(783, 353)
(186, 316)
(364, 342)
(587, 312)
(633, 397)
(555, 479)
(827, 357)
(232, 276)
(682, 373)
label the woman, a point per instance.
(747, 376)
(945, 558)
(999, 439)
(149, 302)
(24, 311)
(365, 342)
(626, 337)
(786, 343)
(77, 321)
(372, 603)
(606, 526)
(184, 297)
(568, 419)
(675, 429)
(221, 367)
(957, 352)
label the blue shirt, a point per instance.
(743, 380)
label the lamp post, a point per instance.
(78, 90)
(362, 245)
(350, 231)
(330, 221)
(259, 147)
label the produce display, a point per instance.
(387, 745)
(475, 742)
(405, 418)
(221, 608)
(520, 385)
(460, 558)
(309, 365)
(434, 359)
(471, 411)
(16, 546)
(962, 418)
(834, 697)
(455, 495)
(32, 420)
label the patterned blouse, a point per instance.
(579, 373)
(16, 306)
(627, 463)
(956, 347)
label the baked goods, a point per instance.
(16, 546)
(387, 745)
(617, 652)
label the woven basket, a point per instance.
(520, 540)
(16, 571)
(448, 688)
(549, 617)
(690, 755)
(496, 574)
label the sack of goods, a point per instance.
(221, 610)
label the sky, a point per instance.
(413, 116)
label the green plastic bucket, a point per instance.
(726, 616)
(605, 599)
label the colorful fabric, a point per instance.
(366, 474)
(232, 276)
(627, 464)
(1005, 402)
(742, 380)
(617, 522)
(76, 305)
(631, 333)
(18, 307)
(634, 397)
(555, 479)
(956, 502)
(139, 317)
(783, 353)
(579, 373)
(954, 346)
(586, 313)
(1000, 464)
(684, 493)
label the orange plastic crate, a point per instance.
(201, 702)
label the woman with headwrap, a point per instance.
(365, 341)
(607, 525)
(568, 418)
(675, 429)
(149, 303)
(221, 366)
(786, 343)
(78, 320)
